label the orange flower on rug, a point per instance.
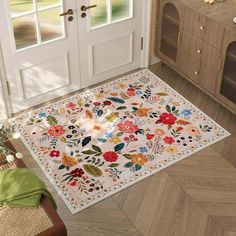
(99, 142)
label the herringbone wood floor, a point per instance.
(195, 197)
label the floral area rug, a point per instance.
(96, 143)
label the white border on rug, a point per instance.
(165, 165)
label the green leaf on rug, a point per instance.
(86, 141)
(92, 170)
(119, 147)
(128, 164)
(168, 108)
(119, 134)
(113, 165)
(162, 94)
(114, 99)
(121, 108)
(51, 120)
(61, 167)
(138, 167)
(96, 148)
(99, 113)
(68, 177)
(63, 139)
(128, 156)
(89, 152)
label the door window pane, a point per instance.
(120, 9)
(20, 6)
(24, 31)
(36, 21)
(47, 3)
(51, 24)
(109, 11)
(99, 13)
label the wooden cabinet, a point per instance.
(196, 39)
(226, 84)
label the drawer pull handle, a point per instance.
(199, 51)
(196, 72)
(202, 27)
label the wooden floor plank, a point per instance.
(150, 202)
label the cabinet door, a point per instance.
(226, 83)
(170, 25)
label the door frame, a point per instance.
(144, 60)
(4, 93)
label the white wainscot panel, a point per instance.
(111, 54)
(44, 77)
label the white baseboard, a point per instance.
(153, 60)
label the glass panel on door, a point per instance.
(36, 21)
(51, 24)
(99, 13)
(48, 3)
(121, 9)
(110, 11)
(25, 31)
(228, 85)
(18, 7)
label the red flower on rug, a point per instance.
(168, 140)
(107, 103)
(131, 92)
(73, 183)
(56, 130)
(110, 156)
(77, 172)
(128, 127)
(167, 119)
(54, 153)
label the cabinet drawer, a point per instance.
(198, 73)
(203, 27)
(189, 66)
(200, 50)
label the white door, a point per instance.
(47, 55)
(40, 50)
(110, 34)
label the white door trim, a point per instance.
(4, 88)
(146, 32)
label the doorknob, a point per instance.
(84, 8)
(69, 12)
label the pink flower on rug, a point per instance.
(110, 156)
(97, 104)
(54, 153)
(128, 127)
(168, 140)
(56, 130)
(167, 118)
(193, 130)
(159, 132)
(71, 105)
